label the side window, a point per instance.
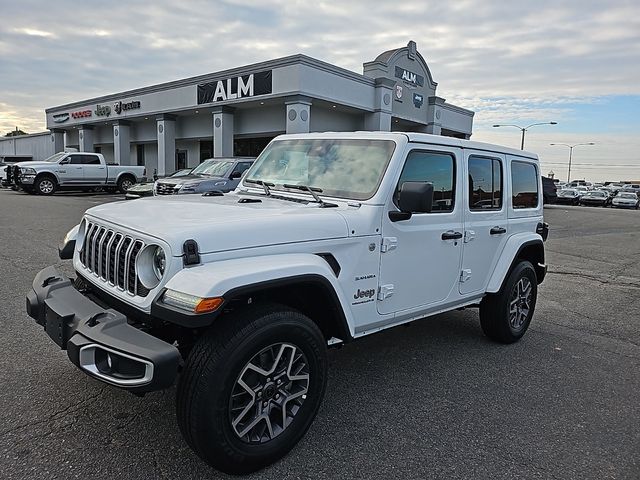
(90, 160)
(242, 167)
(485, 183)
(524, 185)
(434, 167)
(75, 159)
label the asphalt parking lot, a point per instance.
(432, 400)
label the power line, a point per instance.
(597, 164)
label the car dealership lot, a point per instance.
(435, 399)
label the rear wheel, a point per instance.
(251, 387)
(45, 185)
(125, 182)
(506, 315)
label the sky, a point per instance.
(573, 62)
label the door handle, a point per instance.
(451, 235)
(497, 231)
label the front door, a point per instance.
(70, 170)
(181, 159)
(485, 217)
(420, 257)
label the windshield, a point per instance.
(349, 168)
(628, 195)
(213, 168)
(55, 158)
(567, 193)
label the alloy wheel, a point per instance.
(268, 393)
(46, 186)
(520, 303)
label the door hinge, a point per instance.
(385, 291)
(388, 244)
(469, 235)
(465, 275)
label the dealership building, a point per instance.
(237, 112)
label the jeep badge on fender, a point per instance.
(236, 296)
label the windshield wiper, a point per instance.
(312, 191)
(262, 183)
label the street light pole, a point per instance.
(571, 147)
(524, 129)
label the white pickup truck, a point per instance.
(72, 171)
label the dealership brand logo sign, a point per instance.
(409, 78)
(234, 88)
(61, 117)
(81, 114)
(103, 110)
(120, 107)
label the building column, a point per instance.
(85, 138)
(166, 131)
(434, 114)
(57, 139)
(121, 143)
(223, 132)
(298, 114)
(380, 118)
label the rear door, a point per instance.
(420, 257)
(485, 218)
(94, 171)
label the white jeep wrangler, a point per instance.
(328, 238)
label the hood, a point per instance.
(33, 164)
(189, 179)
(220, 223)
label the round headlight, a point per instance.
(150, 266)
(159, 262)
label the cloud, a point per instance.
(506, 60)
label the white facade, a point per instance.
(237, 112)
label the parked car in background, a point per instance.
(549, 190)
(221, 174)
(632, 187)
(595, 198)
(625, 200)
(581, 189)
(568, 196)
(146, 189)
(73, 171)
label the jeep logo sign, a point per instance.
(409, 78)
(234, 88)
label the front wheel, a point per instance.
(251, 387)
(506, 315)
(45, 186)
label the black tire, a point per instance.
(212, 372)
(495, 316)
(125, 182)
(45, 185)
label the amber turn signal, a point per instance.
(207, 305)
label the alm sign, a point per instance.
(234, 88)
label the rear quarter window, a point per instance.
(524, 185)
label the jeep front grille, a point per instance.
(165, 188)
(112, 256)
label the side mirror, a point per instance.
(65, 161)
(414, 197)
(235, 175)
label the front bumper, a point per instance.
(100, 342)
